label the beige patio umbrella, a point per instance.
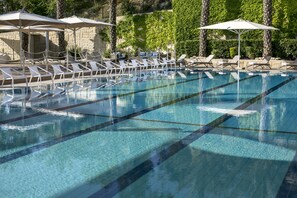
(21, 20)
(239, 27)
(74, 23)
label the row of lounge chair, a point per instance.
(229, 64)
(91, 68)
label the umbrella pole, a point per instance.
(238, 65)
(46, 48)
(21, 50)
(74, 32)
(67, 57)
(29, 45)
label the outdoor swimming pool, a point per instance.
(193, 137)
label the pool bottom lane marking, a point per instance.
(94, 101)
(191, 124)
(64, 138)
(134, 174)
(288, 188)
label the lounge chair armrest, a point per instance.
(115, 65)
(138, 61)
(150, 62)
(18, 72)
(101, 65)
(67, 69)
(45, 70)
(83, 66)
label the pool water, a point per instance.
(193, 137)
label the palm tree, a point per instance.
(267, 19)
(113, 19)
(60, 14)
(203, 22)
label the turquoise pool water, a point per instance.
(193, 137)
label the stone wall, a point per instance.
(10, 44)
(87, 39)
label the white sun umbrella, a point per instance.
(74, 23)
(21, 19)
(239, 27)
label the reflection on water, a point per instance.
(276, 112)
(225, 163)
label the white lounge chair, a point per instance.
(120, 67)
(288, 65)
(11, 74)
(125, 66)
(233, 63)
(170, 63)
(158, 64)
(77, 69)
(259, 64)
(146, 64)
(137, 67)
(136, 64)
(60, 70)
(207, 62)
(110, 67)
(39, 72)
(181, 58)
(97, 67)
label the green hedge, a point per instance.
(180, 48)
(187, 17)
(146, 32)
(125, 32)
(285, 49)
(160, 29)
(192, 47)
(189, 47)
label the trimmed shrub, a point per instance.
(233, 51)
(221, 48)
(249, 52)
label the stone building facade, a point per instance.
(87, 39)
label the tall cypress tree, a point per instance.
(267, 19)
(113, 20)
(60, 14)
(203, 22)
